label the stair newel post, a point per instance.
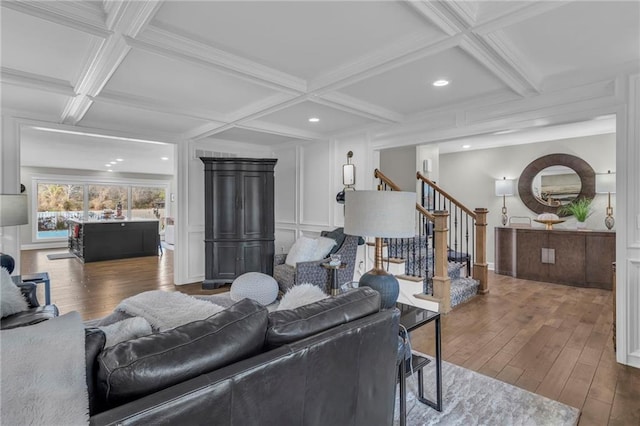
(441, 280)
(480, 269)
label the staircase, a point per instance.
(438, 269)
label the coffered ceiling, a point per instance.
(255, 72)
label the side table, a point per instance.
(37, 278)
(412, 317)
(334, 286)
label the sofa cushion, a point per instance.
(132, 369)
(291, 325)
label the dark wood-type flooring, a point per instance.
(550, 339)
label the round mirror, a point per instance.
(556, 186)
(555, 180)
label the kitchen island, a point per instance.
(94, 240)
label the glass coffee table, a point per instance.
(412, 317)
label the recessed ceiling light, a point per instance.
(109, 170)
(119, 159)
(164, 158)
(466, 146)
(112, 162)
(107, 165)
(314, 120)
(440, 83)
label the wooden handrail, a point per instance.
(379, 175)
(445, 194)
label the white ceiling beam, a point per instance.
(535, 8)
(357, 107)
(272, 103)
(122, 99)
(378, 63)
(435, 14)
(493, 60)
(127, 19)
(169, 44)
(82, 16)
(279, 130)
(35, 81)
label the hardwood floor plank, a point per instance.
(547, 338)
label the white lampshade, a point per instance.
(605, 183)
(384, 214)
(13, 210)
(505, 187)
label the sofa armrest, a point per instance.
(29, 292)
(312, 272)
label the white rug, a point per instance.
(167, 309)
(43, 374)
(470, 399)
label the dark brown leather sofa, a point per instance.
(332, 362)
(35, 314)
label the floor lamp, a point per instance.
(380, 214)
(13, 212)
(606, 184)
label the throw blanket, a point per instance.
(43, 374)
(166, 310)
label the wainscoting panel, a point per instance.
(195, 266)
(196, 193)
(315, 182)
(633, 313)
(285, 237)
(285, 186)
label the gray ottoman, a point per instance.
(254, 285)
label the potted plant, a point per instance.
(579, 208)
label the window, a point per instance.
(104, 200)
(56, 203)
(59, 201)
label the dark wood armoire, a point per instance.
(239, 218)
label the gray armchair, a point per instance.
(312, 272)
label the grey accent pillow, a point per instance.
(338, 235)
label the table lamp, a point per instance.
(380, 214)
(13, 211)
(505, 187)
(606, 184)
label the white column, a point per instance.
(628, 232)
(10, 184)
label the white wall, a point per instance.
(399, 165)
(470, 177)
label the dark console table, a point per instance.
(92, 241)
(564, 256)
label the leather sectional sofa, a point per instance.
(332, 362)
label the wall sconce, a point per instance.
(606, 184)
(505, 187)
(349, 172)
(348, 178)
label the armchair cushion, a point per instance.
(12, 300)
(324, 246)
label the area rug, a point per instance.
(470, 398)
(54, 256)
